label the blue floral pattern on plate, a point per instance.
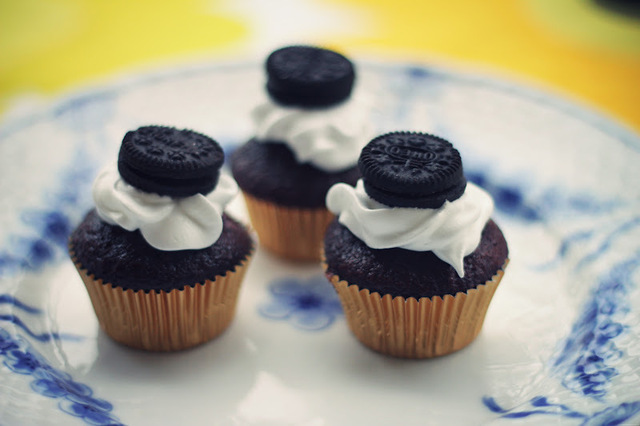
(42, 242)
(76, 398)
(585, 365)
(7, 299)
(307, 304)
(539, 405)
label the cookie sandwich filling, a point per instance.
(310, 107)
(394, 162)
(169, 223)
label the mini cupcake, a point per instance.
(413, 253)
(161, 260)
(309, 132)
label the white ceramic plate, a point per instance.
(560, 343)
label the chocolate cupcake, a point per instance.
(413, 253)
(309, 131)
(161, 260)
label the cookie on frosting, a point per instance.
(309, 131)
(159, 237)
(415, 275)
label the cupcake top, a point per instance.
(167, 184)
(269, 171)
(413, 195)
(409, 273)
(125, 259)
(310, 107)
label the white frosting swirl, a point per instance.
(166, 223)
(451, 232)
(329, 138)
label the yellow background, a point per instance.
(573, 47)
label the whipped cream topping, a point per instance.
(166, 223)
(451, 232)
(329, 138)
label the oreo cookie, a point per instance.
(169, 161)
(407, 169)
(308, 76)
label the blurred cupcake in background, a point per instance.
(309, 131)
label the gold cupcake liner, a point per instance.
(410, 328)
(290, 232)
(166, 321)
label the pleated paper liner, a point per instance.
(410, 328)
(166, 321)
(290, 232)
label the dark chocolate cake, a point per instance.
(408, 273)
(124, 259)
(269, 171)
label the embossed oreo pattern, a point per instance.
(406, 169)
(178, 153)
(309, 76)
(170, 161)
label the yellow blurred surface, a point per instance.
(575, 47)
